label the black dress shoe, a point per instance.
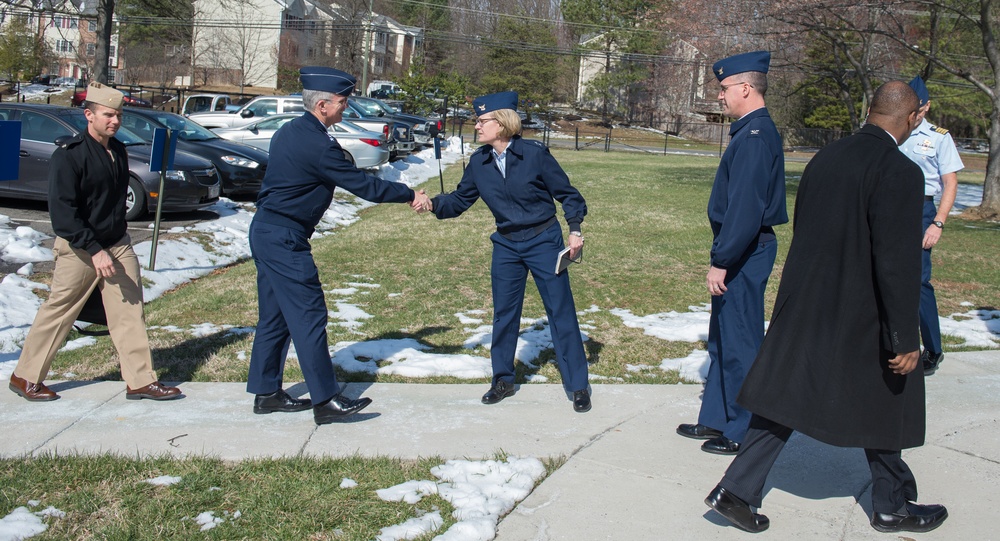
(736, 511)
(279, 401)
(917, 518)
(581, 401)
(931, 361)
(698, 432)
(337, 408)
(498, 392)
(721, 445)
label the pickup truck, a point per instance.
(257, 108)
(205, 103)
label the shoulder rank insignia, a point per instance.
(938, 129)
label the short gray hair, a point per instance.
(311, 97)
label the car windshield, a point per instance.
(369, 108)
(383, 105)
(188, 130)
(273, 123)
(78, 120)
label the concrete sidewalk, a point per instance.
(627, 474)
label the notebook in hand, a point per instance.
(564, 260)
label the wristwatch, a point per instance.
(938, 223)
(577, 234)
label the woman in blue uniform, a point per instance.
(518, 180)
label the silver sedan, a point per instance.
(365, 148)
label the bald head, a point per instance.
(895, 108)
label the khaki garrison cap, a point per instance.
(104, 95)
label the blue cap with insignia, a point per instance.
(918, 86)
(755, 61)
(329, 80)
(492, 102)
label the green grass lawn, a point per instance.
(646, 251)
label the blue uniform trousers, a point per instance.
(512, 259)
(735, 333)
(291, 307)
(930, 326)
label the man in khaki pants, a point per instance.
(88, 181)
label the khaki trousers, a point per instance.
(73, 281)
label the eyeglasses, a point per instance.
(727, 87)
(482, 121)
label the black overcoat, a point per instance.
(848, 302)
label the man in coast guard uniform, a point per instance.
(748, 198)
(518, 180)
(933, 149)
(306, 166)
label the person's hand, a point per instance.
(103, 264)
(904, 363)
(421, 203)
(931, 236)
(575, 245)
(716, 281)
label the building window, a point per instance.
(64, 46)
(91, 49)
(73, 23)
(92, 26)
(380, 38)
(294, 23)
(111, 50)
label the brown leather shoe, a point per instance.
(153, 391)
(33, 392)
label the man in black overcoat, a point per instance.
(840, 359)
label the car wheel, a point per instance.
(135, 200)
(348, 157)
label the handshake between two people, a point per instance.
(421, 203)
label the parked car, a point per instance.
(134, 100)
(65, 81)
(42, 80)
(364, 148)
(79, 93)
(193, 183)
(241, 167)
(259, 107)
(80, 96)
(401, 132)
(424, 130)
(207, 103)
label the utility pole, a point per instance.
(368, 48)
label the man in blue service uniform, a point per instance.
(839, 363)
(307, 164)
(933, 149)
(748, 198)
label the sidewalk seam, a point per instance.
(74, 423)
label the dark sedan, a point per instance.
(193, 183)
(240, 166)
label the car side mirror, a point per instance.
(246, 113)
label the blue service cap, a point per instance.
(329, 80)
(492, 102)
(918, 86)
(755, 61)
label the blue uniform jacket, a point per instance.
(521, 200)
(749, 188)
(305, 166)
